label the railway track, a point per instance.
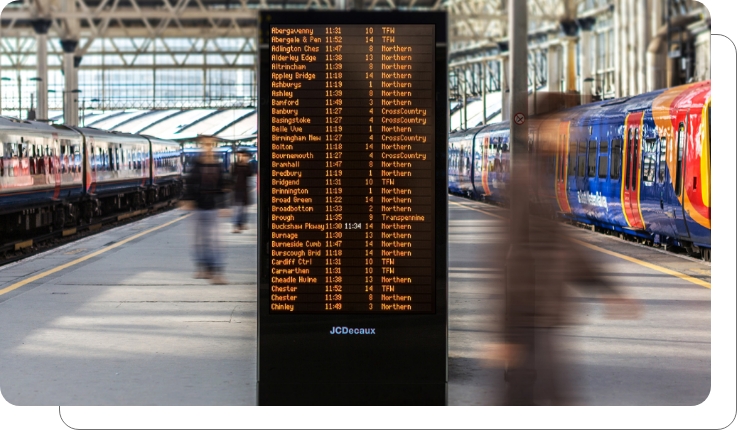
(26, 247)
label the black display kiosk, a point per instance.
(353, 208)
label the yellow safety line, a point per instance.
(477, 210)
(645, 263)
(622, 256)
(85, 258)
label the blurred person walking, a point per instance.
(206, 188)
(241, 193)
(548, 264)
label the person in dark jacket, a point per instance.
(241, 193)
(205, 186)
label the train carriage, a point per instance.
(166, 168)
(638, 166)
(55, 176)
(40, 172)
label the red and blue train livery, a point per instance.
(639, 166)
(52, 176)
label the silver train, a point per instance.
(55, 176)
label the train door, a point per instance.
(649, 187)
(476, 159)
(562, 169)
(56, 165)
(631, 170)
(677, 208)
(90, 165)
(581, 167)
(661, 187)
(591, 184)
(485, 170)
(602, 177)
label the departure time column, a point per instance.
(333, 120)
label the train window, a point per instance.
(650, 145)
(679, 160)
(628, 173)
(615, 167)
(592, 159)
(62, 152)
(32, 161)
(662, 162)
(635, 158)
(571, 157)
(603, 158)
(648, 168)
(581, 169)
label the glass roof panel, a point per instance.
(212, 124)
(137, 124)
(242, 129)
(113, 120)
(170, 127)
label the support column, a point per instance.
(587, 27)
(41, 27)
(69, 97)
(643, 40)
(624, 49)
(655, 54)
(78, 94)
(484, 75)
(505, 88)
(617, 48)
(520, 287)
(554, 68)
(631, 49)
(20, 92)
(533, 109)
(570, 28)
(569, 49)
(465, 100)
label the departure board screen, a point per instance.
(351, 192)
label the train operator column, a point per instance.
(352, 168)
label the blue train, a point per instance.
(637, 166)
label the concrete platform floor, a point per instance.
(131, 326)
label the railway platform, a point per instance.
(117, 319)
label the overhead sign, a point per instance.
(353, 224)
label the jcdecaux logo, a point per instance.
(346, 330)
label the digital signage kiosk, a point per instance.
(352, 228)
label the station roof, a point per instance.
(475, 110)
(239, 124)
(175, 124)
